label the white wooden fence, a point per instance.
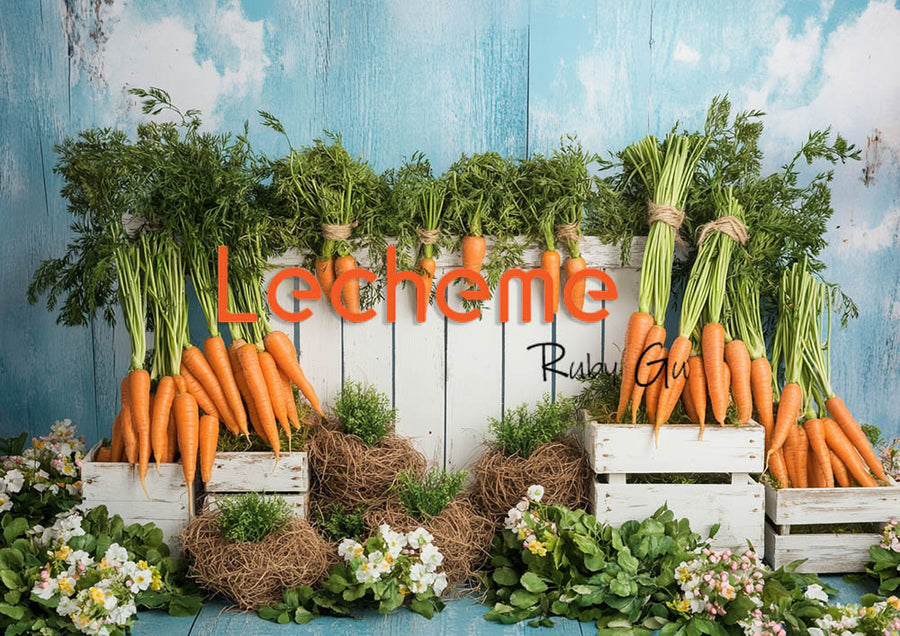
(447, 379)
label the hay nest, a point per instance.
(461, 534)
(501, 480)
(348, 472)
(255, 574)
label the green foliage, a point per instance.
(364, 412)
(427, 496)
(521, 430)
(884, 562)
(13, 445)
(339, 522)
(252, 516)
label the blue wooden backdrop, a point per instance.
(443, 77)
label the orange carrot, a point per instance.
(713, 347)
(350, 292)
(550, 264)
(129, 438)
(778, 469)
(428, 266)
(738, 360)
(761, 387)
(187, 423)
(181, 386)
(473, 251)
(676, 375)
(844, 448)
(697, 380)
(788, 411)
(159, 420)
(139, 392)
(209, 439)
(244, 389)
(205, 403)
(650, 363)
(196, 363)
(654, 391)
(216, 354)
(282, 349)
(635, 336)
(727, 373)
(104, 454)
(248, 357)
(325, 274)
(290, 403)
(118, 442)
(573, 266)
(801, 453)
(171, 438)
(841, 476)
(815, 430)
(814, 475)
(688, 402)
(841, 414)
(275, 387)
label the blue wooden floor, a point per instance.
(461, 616)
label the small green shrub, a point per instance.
(365, 412)
(424, 497)
(521, 430)
(338, 522)
(252, 516)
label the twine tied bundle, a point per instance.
(428, 237)
(729, 225)
(332, 232)
(568, 232)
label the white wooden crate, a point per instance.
(826, 552)
(617, 450)
(118, 487)
(242, 472)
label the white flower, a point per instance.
(376, 556)
(66, 606)
(439, 584)
(522, 506)
(512, 519)
(66, 584)
(349, 549)
(142, 579)
(417, 571)
(116, 555)
(45, 589)
(431, 557)
(418, 587)
(80, 556)
(419, 537)
(815, 631)
(121, 613)
(815, 591)
(13, 480)
(5, 502)
(395, 542)
(536, 492)
(366, 573)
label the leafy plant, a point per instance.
(13, 445)
(521, 430)
(884, 563)
(427, 496)
(337, 521)
(365, 412)
(252, 516)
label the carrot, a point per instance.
(550, 264)
(195, 362)
(654, 391)
(118, 442)
(778, 469)
(196, 389)
(172, 438)
(727, 384)
(104, 454)
(841, 476)
(761, 387)
(688, 402)
(801, 452)
(841, 414)
(244, 389)
(282, 349)
(350, 292)
(790, 459)
(473, 250)
(217, 355)
(139, 392)
(635, 334)
(573, 266)
(129, 439)
(276, 390)
(676, 376)
(181, 385)
(648, 365)
(697, 380)
(188, 426)
(159, 421)
(844, 448)
(788, 411)
(815, 431)
(209, 438)
(325, 274)
(290, 403)
(428, 266)
(712, 344)
(738, 360)
(814, 475)
(248, 356)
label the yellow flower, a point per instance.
(683, 606)
(142, 565)
(66, 587)
(81, 620)
(63, 553)
(682, 574)
(521, 534)
(97, 595)
(156, 582)
(894, 602)
(538, 548)
(404, 590)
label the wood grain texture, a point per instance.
(824, 553)
(258, 472)
(797, 506)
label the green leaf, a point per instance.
(15, 612)
(15, 528)
(423, 607)
(11, 579)
(185, 605)
(11, 559)
(628, 562)
(505, 576)
(533, 583)
(523, 599)
(302, 616)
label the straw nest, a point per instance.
(501, 480)
(461, 534)
(348, 472)
(255, 574)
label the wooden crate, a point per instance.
(241, 472)
(118, 487)
(826, 552)
(618, 450)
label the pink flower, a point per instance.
(44, 585)
(45, 574)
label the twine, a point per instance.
(668, 214)
(428, 237)
(568, 232)
(728, 225)
(333, 232)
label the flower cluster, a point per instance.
(51, 465)
(536, 534)
(882, 617)
(890, 459)
(98, 597)
(890, 539)
(412, 559)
